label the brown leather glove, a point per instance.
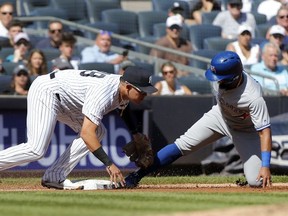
(139, 150)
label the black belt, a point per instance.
(52, 75)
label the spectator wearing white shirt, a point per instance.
(248, 52)
(232, 18)
(6, 16)
(100, 51)
(269, 8)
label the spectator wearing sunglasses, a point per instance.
(20, 83)
(232, 18)
(282, 20)
(173, 40)
(170, 84)
(248, 52)
(53, 41)
(6, 16)
(21, 48)
(276, 35)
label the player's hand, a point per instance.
(115, 174)
(265, 176)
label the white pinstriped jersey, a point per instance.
(243, 108)
(91, 93)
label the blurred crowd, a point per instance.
(23, 58)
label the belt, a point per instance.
(52, 75)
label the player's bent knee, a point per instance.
(251, 170)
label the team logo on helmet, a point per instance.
(213, 69)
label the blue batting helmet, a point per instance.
(224, 65)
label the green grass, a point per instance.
(131, 202)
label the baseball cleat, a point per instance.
(64, 185)
(132, 180)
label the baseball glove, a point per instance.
(139, 150)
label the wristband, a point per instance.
(266, 156)
(102, 156)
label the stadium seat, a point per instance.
(261, 30)
(100, 66)
(5, 82)
(31, 5)
(156, 78)
(95, 8)
(208, 17)
(145, 49)
(146, 20)
(127, 21)
(9, 67)
(260, 18)
(216, 43)
(196, 84)
(202, 53)
(6, 51)
(75, 9)
(47, 11)
(51, 54)
(199, 32)
(147, 66)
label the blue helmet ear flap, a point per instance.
(224, 65)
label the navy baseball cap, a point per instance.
(140, 78)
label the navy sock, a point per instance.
(164, 156)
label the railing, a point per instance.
(147, 58)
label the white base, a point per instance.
(94, 184)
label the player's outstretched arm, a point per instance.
(89, 135)
(266, 146)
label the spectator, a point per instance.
(6, 16)
(249, 53)
(269, 8)
(66, 60)
(173, 40)
(21, 48)
(170, 85)
(14, 27)
(55, 29)
(268, 66)
(284, 60)
(20, 83)
(101, 51)
(204, 6)
(232, 18)
(176, 9)
(37, 64)
(275, 35)
(282, 20)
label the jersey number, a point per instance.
(98, 74)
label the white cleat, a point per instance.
(64, 185)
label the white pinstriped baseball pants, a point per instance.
(42, 109)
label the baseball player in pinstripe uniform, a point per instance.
(240, 113)
(79, 99)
